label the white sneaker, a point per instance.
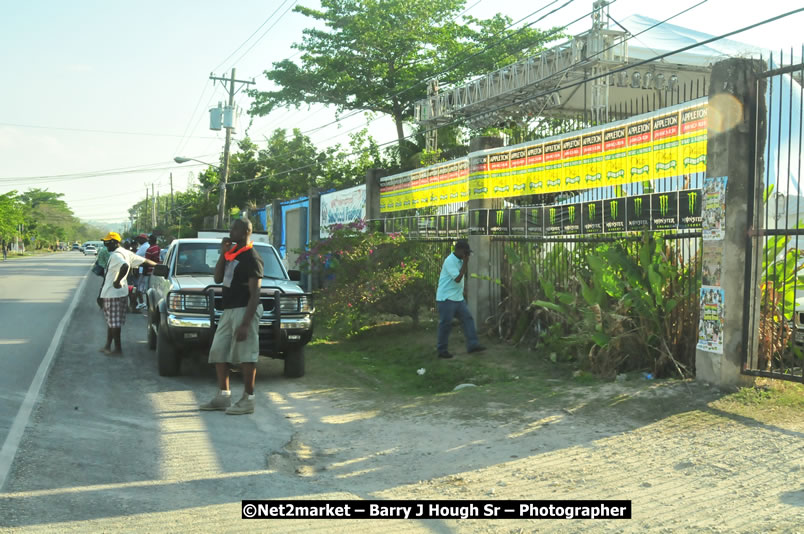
(141, 306)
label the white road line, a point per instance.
(14, 436)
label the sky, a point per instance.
(92, 88)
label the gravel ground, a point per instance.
(114, 447)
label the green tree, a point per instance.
(374, 54)
(10, 215)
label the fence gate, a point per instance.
(776, 277)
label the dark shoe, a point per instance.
(478, 348)
(444, 355)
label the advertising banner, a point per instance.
(652, 146)
(592, 213)
(614, 215)
(342, 207)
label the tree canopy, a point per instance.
(375, 55)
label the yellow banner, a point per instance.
(661, 145)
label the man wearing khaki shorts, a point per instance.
(236, 340)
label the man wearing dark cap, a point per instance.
(451, 300)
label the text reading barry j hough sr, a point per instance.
(435, 509)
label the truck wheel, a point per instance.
(151, 333)
(168, 359)
(294, 363)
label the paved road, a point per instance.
(35, 294)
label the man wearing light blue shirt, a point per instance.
(451, 300)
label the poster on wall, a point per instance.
(342, 207)
(712, 265)
(714, 208)
(710, 325)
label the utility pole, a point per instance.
(153, 208)
(225, 170)
(145, 209)
(170, 217)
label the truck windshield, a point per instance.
(200, 259)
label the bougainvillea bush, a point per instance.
(366, 274)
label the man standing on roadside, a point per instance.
(151, 253)
(451, 300)
(5, 251)
(139, 274)
(236, 340)
(114, 293)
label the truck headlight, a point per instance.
(179, 302)
(289, 304)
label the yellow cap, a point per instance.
(112, 236)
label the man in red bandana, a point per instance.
(236, 340)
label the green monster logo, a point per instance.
(613, 205)
(553, 216)
(638, 206)
(516, 215)
(477, 218)
(592, 209)
(500, 215)
(571, 213)
(442, 222)
(664, 205)
(692, 198)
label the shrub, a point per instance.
(365, 274)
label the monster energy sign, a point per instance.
(499, 222)
(478, 222)
(614, 215)
(572, 219)
(664, 210)
(638, 214)
(658, 211)
(552, 221)
(516, 221)
(689, 209)
(593, 217)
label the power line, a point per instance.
(250, 36)
(85, 130)
(266, 31)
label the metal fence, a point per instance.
(776, 295)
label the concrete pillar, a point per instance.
(735, 147)
(482, 293)
(313, 232)
(276, 223)
(373, 177)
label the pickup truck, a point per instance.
(184, 305)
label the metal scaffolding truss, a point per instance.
(522, 82)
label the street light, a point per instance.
(222, 200)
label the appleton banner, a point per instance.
(669, 142)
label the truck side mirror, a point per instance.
(161, 270)
(295, 275)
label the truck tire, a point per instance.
(151, 333)
(168, 358)
(294, 363)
